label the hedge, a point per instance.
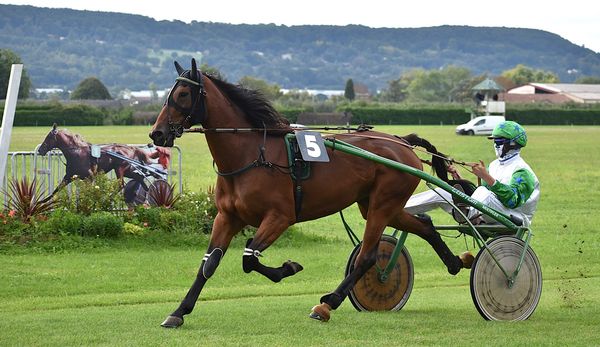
(555, 116)
(62, 115)
(448, 114)
(400, 114)
(408, 115)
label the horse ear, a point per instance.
(178, 67)
(54, 126)
(194, 70)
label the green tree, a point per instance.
(522, 74)
(91, 89)
(463, 91)
(397, 90)
(349, 90)
(7, 59)
(588, 80)
(270, 91)
(437, 85)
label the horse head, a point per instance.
(184, 107)
(50, 141)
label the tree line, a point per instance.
(449, 84)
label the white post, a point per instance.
(9, 115)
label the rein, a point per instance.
(359, 129)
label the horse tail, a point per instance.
(438, 159)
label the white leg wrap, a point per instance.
(254, 252)
(211, 261)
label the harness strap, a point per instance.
(297, 177)
(255, 163)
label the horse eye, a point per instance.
(183, 94)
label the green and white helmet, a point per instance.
(512, 131)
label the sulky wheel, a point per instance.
(134, 193)
(491, 291)
(371, 293)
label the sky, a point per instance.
(576, 20)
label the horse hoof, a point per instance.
(321, 312)
(467, 259)
(295, 267)
(172, 322)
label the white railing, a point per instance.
(49, 169)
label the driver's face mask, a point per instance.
(499, 148)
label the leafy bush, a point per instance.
(199, 210)
(173, 221)
(10, 226)
(146, 216)
(102, 224)
(132, 229)
(63, 222)
(193, 213)
(97, 193)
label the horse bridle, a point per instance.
(195, 114)
(54, 132)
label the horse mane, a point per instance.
(76, 138)
(259, 111)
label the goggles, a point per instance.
(499, 141)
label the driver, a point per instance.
(509, 185)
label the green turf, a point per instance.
(119, 295)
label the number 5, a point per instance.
(312, 147)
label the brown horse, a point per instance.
(253, 188)
(80, 162)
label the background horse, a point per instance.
(254, 186)
(80, 162)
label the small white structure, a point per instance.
(486, 99)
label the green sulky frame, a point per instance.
(480, 233)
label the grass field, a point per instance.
(119, 292)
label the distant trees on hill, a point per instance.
(61, 46)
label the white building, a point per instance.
(580, 93)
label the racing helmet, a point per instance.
(512, 131)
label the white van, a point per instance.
(479, 125)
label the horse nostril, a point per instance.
(156, 135)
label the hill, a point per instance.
(61, 47)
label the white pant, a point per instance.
(431, 199)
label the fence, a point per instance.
(48, 170)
